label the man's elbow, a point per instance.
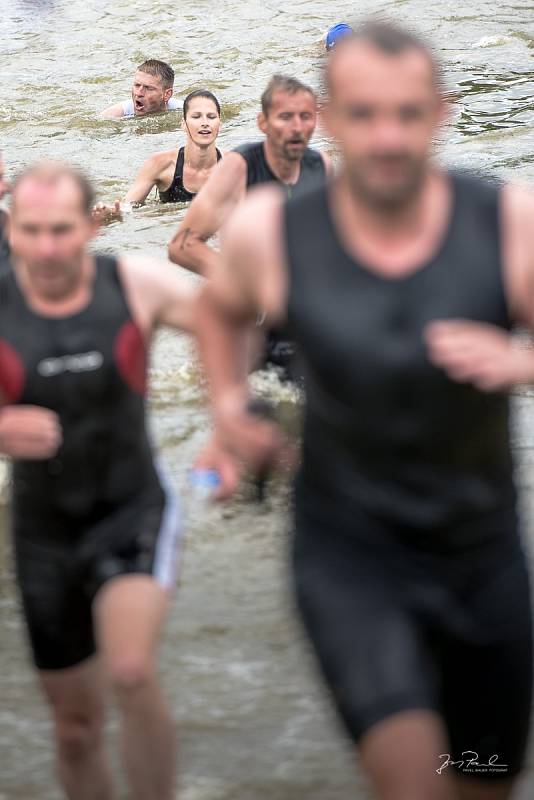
(173, 252)
(182, 252)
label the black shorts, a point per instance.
(399, 624)
(60, 572)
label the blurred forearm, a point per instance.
(223, 339)
(190, 251)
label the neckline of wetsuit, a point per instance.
(177, 186)
(289, 187)
(423, 265)
(95, 288)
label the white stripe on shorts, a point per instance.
(170, 537)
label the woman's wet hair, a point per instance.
(201, 93)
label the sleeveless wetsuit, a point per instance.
(280, 350)
(97, 509)
(409, 570)
(177, 193)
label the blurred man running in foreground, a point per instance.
(400, 282)
(96, 531)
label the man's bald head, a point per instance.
(51, 174)
(385, 109)
(388, 39)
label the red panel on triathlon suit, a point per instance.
(131, 357)
(12, 373)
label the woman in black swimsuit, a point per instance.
(202, 120)
(178, 174)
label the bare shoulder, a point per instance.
(113, 112)
(258, 215)
(163, 157)
(158, 162)
(231, 166)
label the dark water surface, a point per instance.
(254, 724)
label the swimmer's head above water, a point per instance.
(202, 117)
(335, 33)
(152, 87)
(152, 90)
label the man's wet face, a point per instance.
(290, 123)
(384, 111)
(148, 94)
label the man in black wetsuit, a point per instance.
(288, 117)
(400, 283)
(96, 530)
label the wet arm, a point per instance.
(146, 179)
(328, 165)
(159, 295)
(208, 212)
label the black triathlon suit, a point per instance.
(409, 570)
(99, 507)
(177, 193)
(280, 350)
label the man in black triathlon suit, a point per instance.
(400, 283)
(96, 529)
(288, 118)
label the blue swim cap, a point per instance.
(335, 33)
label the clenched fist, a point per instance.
(478, 353)
(29, 432)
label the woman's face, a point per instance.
(202, 122)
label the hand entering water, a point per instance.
(107, 213)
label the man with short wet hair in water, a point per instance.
(400, 282)
(151, 92)
(96, 529)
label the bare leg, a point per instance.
(480, 790)
(400, 756)
(76, 696)
(129, 613)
